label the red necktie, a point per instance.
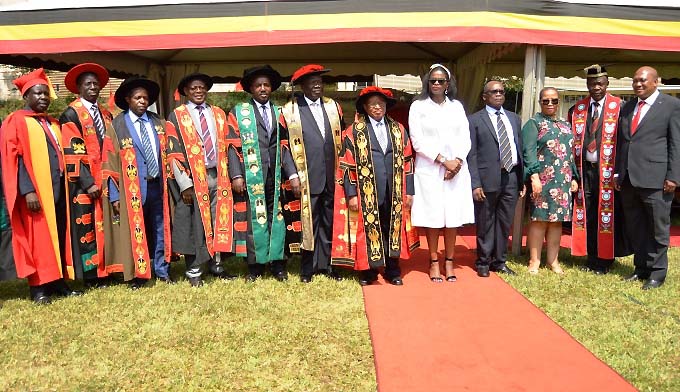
(592, 146)
(205, 135)
(636, 118)
(50, 137)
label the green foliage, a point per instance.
(635, 332)
(57, 106)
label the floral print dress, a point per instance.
(548, 151)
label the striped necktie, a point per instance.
(265, 118)
(97, 119)
(504, 143)
(149, 156)
(205, 135)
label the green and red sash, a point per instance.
(269, 244)
(291, 113)
(219, 238)
(607, 158)
(357, 237)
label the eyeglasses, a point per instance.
(553, 101)
(494, 92)
(440, 81)
(377, 105)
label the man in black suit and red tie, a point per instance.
(496, 170)
(648, 171)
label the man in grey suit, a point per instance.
(647, 172)
(496, 169)
(315, 125)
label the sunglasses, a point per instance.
(553, 101)
(494, 92)
(440, 81)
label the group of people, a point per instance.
(90, 195)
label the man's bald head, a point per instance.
(645, 82)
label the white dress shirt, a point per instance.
(148, 129)
(648, 103)
(374, 124)
(592, 156)
(508, 131)
(317, 112)
(210, 119)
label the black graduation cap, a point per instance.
(595, 71)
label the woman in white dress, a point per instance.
(443, 191)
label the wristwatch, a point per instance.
(441, 159)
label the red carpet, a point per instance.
(473, 335)
(468, 233)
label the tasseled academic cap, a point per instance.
(34, 78)
(595, 71)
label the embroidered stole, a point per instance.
(291, 113)
(218, 238)
(83, 147)
(607, 157)
(269, 244)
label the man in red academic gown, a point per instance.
(83, 128)
(33, 175)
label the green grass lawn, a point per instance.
(271, 336)
(636, 332)
(224, 336)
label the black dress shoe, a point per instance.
(483, 271)
(633, 277)
(334, 275)
(598, 271)
(224, 275)
(503, 269)
(365, 282)
(60, 288)
(196, 281)
(281, 276)
(165, 279)
(97, 283)
(251, 278)
(136, 284)
(39, 296)
(305, 279)
(652, 284)
(396, 281)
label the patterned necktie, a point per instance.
(636, 118)
(205, 135)
(381, 135)
(97, 119)
(594, 125)
(265, 118)
(149, 156)
(504, 143)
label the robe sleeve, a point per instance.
(233, 147)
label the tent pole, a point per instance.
(534, 77)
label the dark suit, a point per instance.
(384, 174)
(320, 158)
(644, 161)
(268, 149)
(494, 215)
